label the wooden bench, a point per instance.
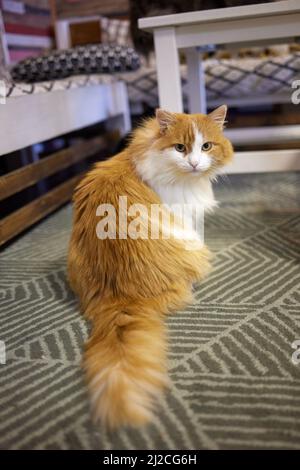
(30, 119)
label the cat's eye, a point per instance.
(180, 148)
(206, 146)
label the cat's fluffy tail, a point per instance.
(125, 361)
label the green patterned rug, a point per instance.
(234, 384)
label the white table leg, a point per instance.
(123, 104)
(121, 117)
(62, 34)
(195, 82)
(168, 72)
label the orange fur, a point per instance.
(126, 286)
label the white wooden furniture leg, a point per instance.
(3, 42)
(168, 72)
(122, 96)
(62, 34)
(195, 82)
(120, 100)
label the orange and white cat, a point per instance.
(127, 285)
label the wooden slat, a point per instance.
(23, 218)
(13, 182)
(66, 9)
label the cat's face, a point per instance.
(191, 145)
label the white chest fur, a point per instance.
(187, 195)
(198, 192)
(189, 200)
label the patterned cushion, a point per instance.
(94, 58)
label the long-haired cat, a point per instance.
(126, 285)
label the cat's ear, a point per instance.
(164, 119)
(219, 116)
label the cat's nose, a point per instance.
(194, 165)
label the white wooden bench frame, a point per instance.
(29, 119)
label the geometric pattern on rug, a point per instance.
(233, 384)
